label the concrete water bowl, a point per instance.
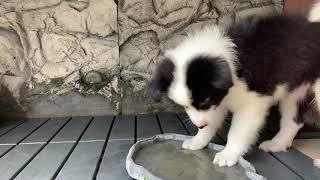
(161, 157)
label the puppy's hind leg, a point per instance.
(289, 124)
(316, 90)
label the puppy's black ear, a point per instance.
(160, 80)
(223, 77)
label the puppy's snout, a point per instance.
(201, 124)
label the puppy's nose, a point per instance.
(201, 124)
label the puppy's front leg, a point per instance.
(243, 133)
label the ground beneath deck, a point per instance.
(96, 147)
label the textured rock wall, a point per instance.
(64, 57)
(63, 52)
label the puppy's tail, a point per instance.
(314, 13)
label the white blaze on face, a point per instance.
(178, 90)
(200, 117)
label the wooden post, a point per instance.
(297, 6)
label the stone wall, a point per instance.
(81, 57)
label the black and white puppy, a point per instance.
(245, 69)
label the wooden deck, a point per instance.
(96, 147)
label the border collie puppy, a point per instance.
(244, 69)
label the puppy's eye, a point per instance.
(186, 107)
(205, 103)
(207, 100)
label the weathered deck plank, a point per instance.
(147, 126)
(82, 162)
(22, 131)
(296, 161)
(299, 163)
(170, 124)
(72, 131)
(16, 159)
(13, 161)
(119, 143)
(46, 163)
(7, 126)
(43, 134)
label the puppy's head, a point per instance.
(199, 87)
(196, 75)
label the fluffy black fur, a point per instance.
(209, 80)
(276, 50)
(161, 80)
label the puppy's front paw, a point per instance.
(226, 158)
(274, 146)
(194, 144)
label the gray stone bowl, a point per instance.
(162, 157)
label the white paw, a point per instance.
(194, 144)
(274, 146)
(226, 158)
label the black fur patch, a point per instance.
(209, 80)
(161, 80)
(277, 50)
